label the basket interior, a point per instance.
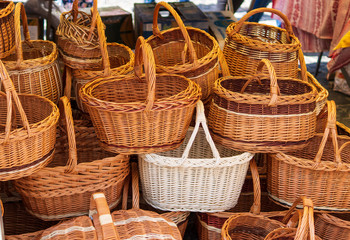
(118, 56)
(40, 49)
(168, 51)
(4, 4)
(264, 33)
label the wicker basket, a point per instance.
(330, 227)
(323, 165)
(247, 43)
(33, 68)
(77, 38)
(170, 179)
(117, 60)
(63, 189)
(28, 126)
(7, 30)
(187, 51)
(143, 114)
(266, 117)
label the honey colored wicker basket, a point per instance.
(187, 51)
(170, 180)
(77, 38)
(276, 114)
(28, 131)
(247, 43)
(324, 168)
(141, 114)
(7, 30)
(33, 68)
(80, 168)
(330, 227)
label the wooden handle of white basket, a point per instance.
(156, 31)
(135, 186)
(100, 212)
(256, 207)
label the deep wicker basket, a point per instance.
(7, 29)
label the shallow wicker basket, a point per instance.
(144, 114)
(276, 114)
(170, 180)
(33, 68)
(247, 43)
(324, 166)
(330, 227)
(7, 30)
(79, 168)
(187, 51)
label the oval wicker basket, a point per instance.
(7, 29)
(77, 38)
(79, 168)
(33, 68)
(330, 227)
(247, 43)
(187, 51)
(276, 114)
(170, 179)
(324, 166)
(144, 114)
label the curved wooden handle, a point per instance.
(135, 186)
(94, 19)
(143, 51)
(66, 113)
(302, 66)
(256, 207)
(225, 71)
(75, 10)
(103, 46)
(156, 31)
(288, 26)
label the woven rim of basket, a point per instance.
(36, 62)
(120, 70)
(184, 98)
(308, 97)
(322, 91)
(330, 219)
(294, 46)
(76, 32)
(8, 9)
(179, 68)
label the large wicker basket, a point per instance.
(324, 168)
(330, 227)
(247, 43)
(33, 68)
(77, 38)
(276, 114)
(144, 114)
(28, 131)
(170, 180)
(187, 51)
(80, 168)
(7, 30)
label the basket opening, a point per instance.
(4, 4)
(118, 56)
(40, 50)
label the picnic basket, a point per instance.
(187, 51)
(79, 168)
(141, 114)
(324, 165)
(170, 180)
(117, 59)
(247, 43)
(77, 38)
(33, 67)
(330, 227)
(7, 32)
(271, 115)
(28, 131)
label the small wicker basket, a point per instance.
(330, 227)
(7, 30)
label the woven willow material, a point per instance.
(144, 114)
(266, 116)
(330, 227)
(7, 32)
(117, 60)
(33, 68)
(187, 51)
(28, 131)
(170, 179)
(247, 43)
(80, 168)
(319, 171)
(77, 38)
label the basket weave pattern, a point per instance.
(330, 227)
(7, 32)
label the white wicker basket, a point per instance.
(194, 177)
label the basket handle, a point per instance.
(144, 51)
(274, 88)
(256, 207)
(331, 127)
(66, 113)
(156, 31)
(103, 46)
(200, 119)
(225, 71)
(11, 95)
(302, 65)
(99, 206)
(75, 10)
(94, 19)
(288, 25)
